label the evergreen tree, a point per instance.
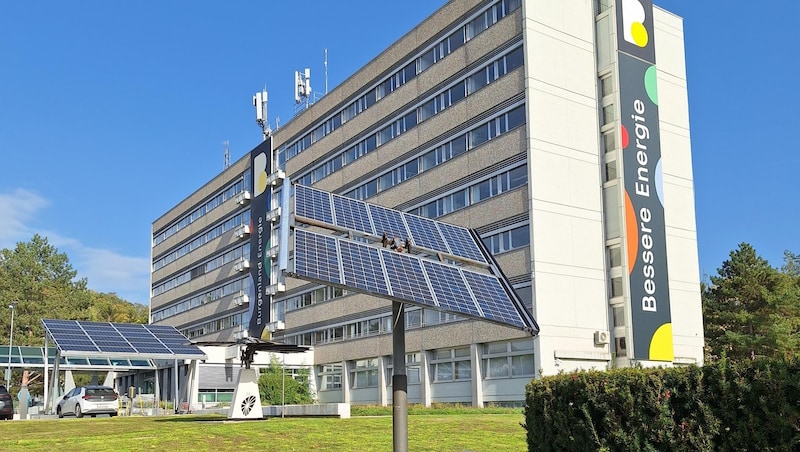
(751, 309)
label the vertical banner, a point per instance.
(260, 234)
(645, 228)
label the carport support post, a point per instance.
(399, 379)
(175, 396)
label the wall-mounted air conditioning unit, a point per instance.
(243, 198)
(242, 265)
(242, 231)
(601, 337)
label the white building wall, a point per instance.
(567, 238)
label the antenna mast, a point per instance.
(326, 71)
(227, 155)
(260, 102)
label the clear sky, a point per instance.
(111, 112)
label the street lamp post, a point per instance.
(10, 345)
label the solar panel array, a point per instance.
(406, 277)
(360, 216)
(119, 338)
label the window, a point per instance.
(451, 364)
(508, 359)
(508, 240)
(330, 376)
(365, 373)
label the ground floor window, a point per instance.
(449, 364)
(508, 359)
(330, 376)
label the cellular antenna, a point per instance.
(302, 89)
(260, 102)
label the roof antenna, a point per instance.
(227, 156)
(260, 102)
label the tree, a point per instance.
(276, 388)
(43, 283)
(751, 309)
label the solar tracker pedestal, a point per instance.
(246, 402)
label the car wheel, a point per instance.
(112, 414)
(78, 412)
(60, 414)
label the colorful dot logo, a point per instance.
(260, 174)
(633, 28)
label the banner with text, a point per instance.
(645, 228)
(260, 234)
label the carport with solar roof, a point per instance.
(76, 339)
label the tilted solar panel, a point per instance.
(352, 214)
(363, 268)
(425, 233)
(449, 289)
(316, 256)
(313, 204)
(389, 222)
(460, 242)
(406, 278)
(492, 299)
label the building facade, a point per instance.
(542, 125)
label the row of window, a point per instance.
(491, 129)
(507, 359)
(229, 193)
(508, 240)
(213, 326)
(415, 318)
(234, 287)
(422, 112)
(475, 193)
(227, 225)
(219, 261)
(447, 45)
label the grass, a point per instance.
(438, 430)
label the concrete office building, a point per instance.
(538, 124)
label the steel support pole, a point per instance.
(399, 380)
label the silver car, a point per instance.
(89, 400)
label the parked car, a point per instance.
(91, 400)
(6, 404)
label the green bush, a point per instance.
(723, 406)
(277, 389)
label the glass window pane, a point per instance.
(498, 367)
(518, 176)
(463, 370)
(522, 365)
(516, 117)
(444, 371)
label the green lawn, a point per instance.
(433, 432)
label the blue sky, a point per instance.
(111, 112)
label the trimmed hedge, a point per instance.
(722, 406)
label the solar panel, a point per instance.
(173, 340)
(107, 338)
(316, 256)
(425, 233)
(492, 298)
(352, 214)
(406, 278)
(98, 338)
(413, 278)
(449, 289)
(388, 221)
(363, 268)
(313, 204)
(460, 242)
